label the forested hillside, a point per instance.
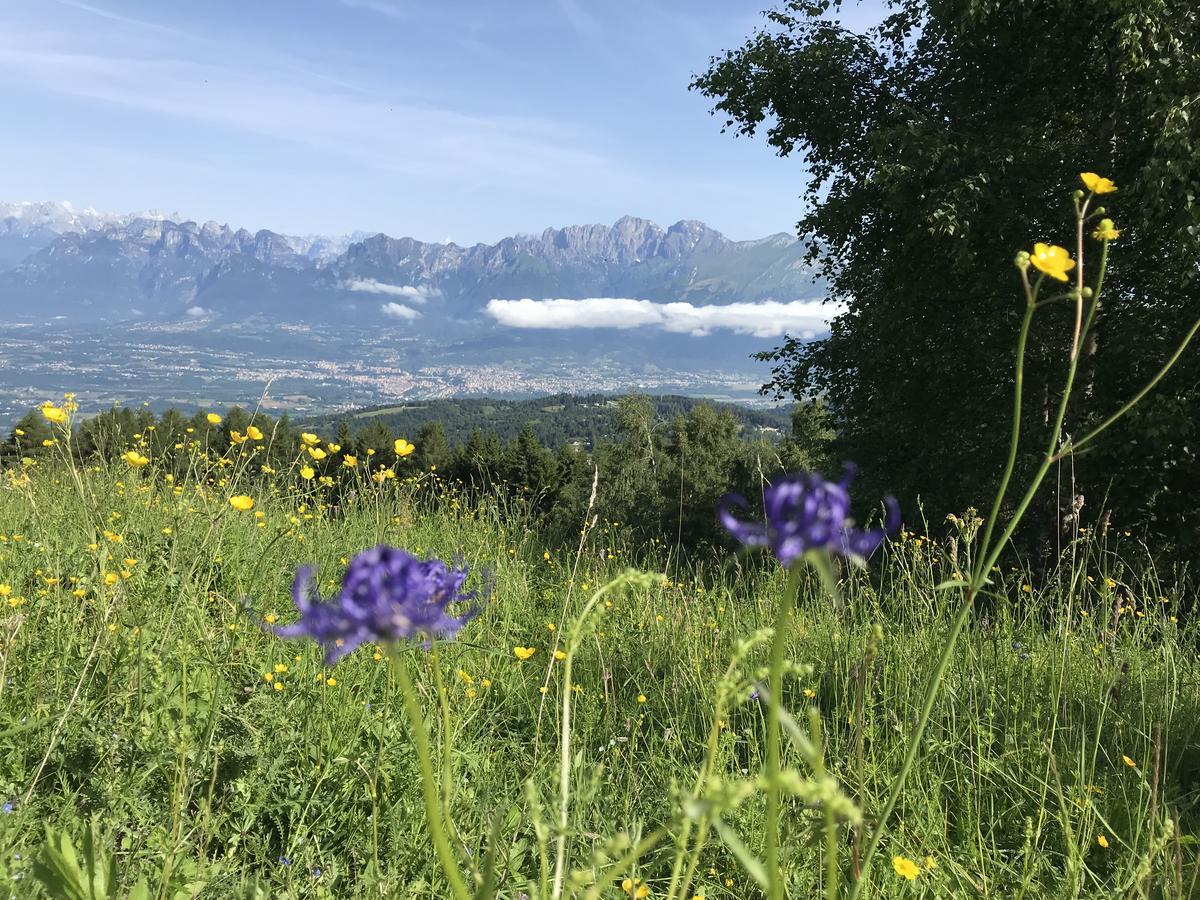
(556, 420)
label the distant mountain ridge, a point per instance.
(93, 267)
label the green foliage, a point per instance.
(64, 875)
(557, 419)
(143, 706)
(662, 477)
(935, 142)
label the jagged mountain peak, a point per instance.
(152, 266)
(62, 217)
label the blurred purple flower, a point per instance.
(387, 595)
(805, 512)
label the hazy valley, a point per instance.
(145, 308)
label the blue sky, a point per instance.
(442, 120)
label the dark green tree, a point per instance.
(938, 144)
(27, 435)
(703, 461)
(477, 462)
(375, 437)
(527, 467)
(630, 483)
(808, 446)
(433, 450)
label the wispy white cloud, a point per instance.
(277, 99)
(767, 319)
(116, 17)
(197, 312)
(582, 22)
(382, 7)
(399, 311)
(411, 293)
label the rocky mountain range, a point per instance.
(58, 262)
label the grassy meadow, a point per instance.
(185, 752)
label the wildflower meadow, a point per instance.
(222, 678)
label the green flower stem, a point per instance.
(1080, 328)
(444, 717)
(1091, 435)
(775, 698)
(429, 780)
(1015, 439)
(989, 557)
(990, 554)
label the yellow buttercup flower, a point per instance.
(403, 447)
(634, 888)
(241, 502)
(55, 414)
(253, 432)
(310, 439)
(560, 655)
(523, 653)
(905, 867)
(213, 419)
(1051, 259)
(134, 458)
(237, 437)
(306, 472)
(316, 452)
(1102, 841)
(1129, 762)
(1096, 184)
(930, 864)
(1106, 231)
(349, 460)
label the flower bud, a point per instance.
(1022, 260)
(1078, 195)
(1087, 293)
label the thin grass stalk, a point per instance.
(429, 780)
(775, 686)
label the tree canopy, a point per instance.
(939, 143)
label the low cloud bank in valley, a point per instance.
(411, 293)
(399, 311)
(767, 319)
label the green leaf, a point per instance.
(951, 583)
(751, 863)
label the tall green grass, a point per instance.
(154, 715)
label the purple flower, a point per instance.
(387, 595)
(805, 512)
